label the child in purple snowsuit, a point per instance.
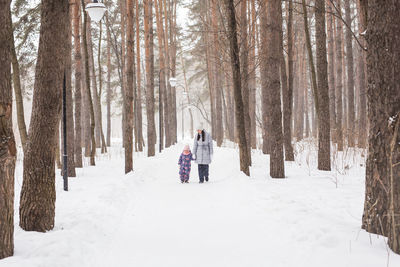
(185, 164)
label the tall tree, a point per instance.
(87, 88)
(78, 81)
(149, 54)
(109, 92)
(7, 141)
(324, 137)
(273, 25)
(331, 67)
(17, 90)
(37, 205)
(287, 84)
(128, 97)
(244, 60)
(381, 206)
(138, 106)
(350, 76)
(339, 79)
(235, 64)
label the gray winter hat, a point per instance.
(200, 126)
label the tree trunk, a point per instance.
(235, 63)
(350, 77)
(362, 69)
(331, 71)
(78, 88)
(339, 82)
(7, 142)
(37, 205)
(17, 89)
(253, 76)
(103, 140)
(273, 13)
(138, 106)
(148, 32)
(244, 58)
(88, 93)
(381, 206)
(219, 130)
(128, 97)
(323, 117)
(287, 85)
(163, 98)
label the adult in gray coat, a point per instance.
(203, 152)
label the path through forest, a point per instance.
(148, 218)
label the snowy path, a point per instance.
(149, 219)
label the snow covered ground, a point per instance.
(149, 219)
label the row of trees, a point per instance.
(66, 52)
(317, 66)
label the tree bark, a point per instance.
(323, 117)
(273, 13)
(339, 81)
(148, 31)
(235, 63)
(244, 60)
(350, 77)
(287, 85)
(138, 106)
(17, 89)
(381, 206)
(88, 91)
(37, 205)
(78, 88)
(7, 142)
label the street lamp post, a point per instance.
(96, 12)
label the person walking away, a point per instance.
(203, 152)
(185, 162)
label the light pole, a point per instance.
(96, 11)
(172, 82)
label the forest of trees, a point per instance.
(270, 74)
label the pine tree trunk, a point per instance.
(17, 89)
(235, 63)
(88, 90)
(331, 71)
(138, 107)
(148, 32)
(244, 58)
(339, 83)
(217, 76)
(37, 204)
(381, 206)
(287, 85)
(362, 69)
(7, 142)
(274, 57)
(323, 117)
(78, 88)
(128, 97)
(350, 77)
(265, 98)
(163, 98)
(253, 77)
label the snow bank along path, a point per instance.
(148, 218)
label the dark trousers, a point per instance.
(203, 172)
